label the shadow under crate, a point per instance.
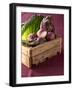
(52, 67)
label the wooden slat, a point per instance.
(26, 61)
(40, 48)
(37, 54)
(49, 53)
(43, 47)
(26, 50)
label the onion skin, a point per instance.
(42, 34)
(46, 31)
(50, 36)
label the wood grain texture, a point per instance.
(37, 54)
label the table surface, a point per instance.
(52, 67)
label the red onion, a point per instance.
(50, 36)
(41, 33)
(32, 37)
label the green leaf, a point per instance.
(31, 26)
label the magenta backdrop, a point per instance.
(58, 21)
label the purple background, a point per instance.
(54, 66)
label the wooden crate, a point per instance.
(37, 54)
